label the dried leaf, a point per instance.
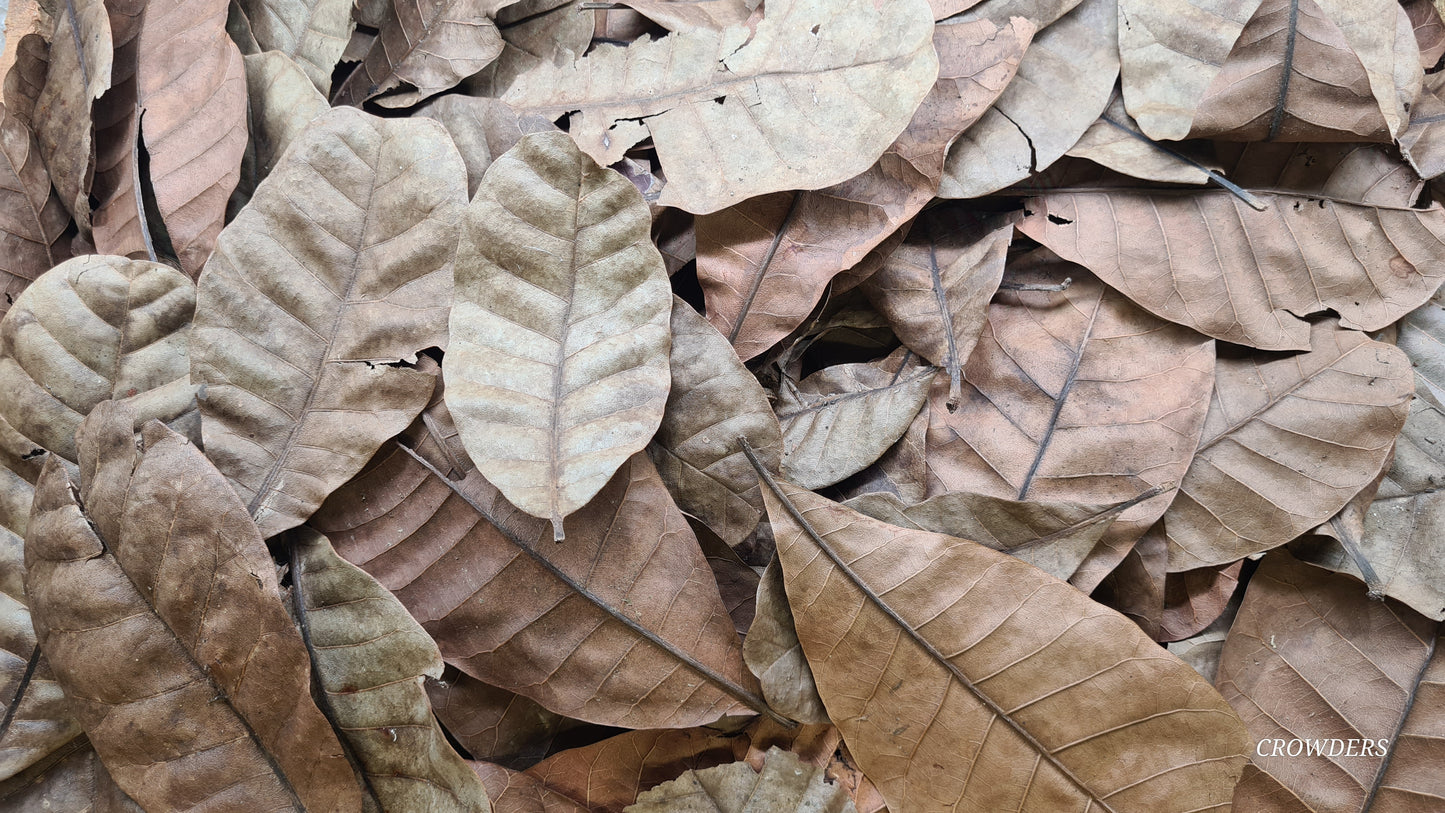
(91, 329)
(371, 658)
(713, 401)
(283, 101)
(1136, 587)
(785, 784)
(1423, 142)
(535, 33)
(25, 78)
(1201, 652)
(557, 370)
(1063, 83)
(689, 15)
(1195, 598)
(338, 268)
(1207, 260)
(424, 48)
(516, 792)
(630, 579)
(1310, 658)
(32, 220)
(842, 418)
(1170, 52)
(71, 780)
(494, 724)
(79, 72)
(160, 587)
(737, 113)
(935, 287)
(1314, 70)
(191, 86)
(483, 129)
(1429, 30)
(311, 32)
(1030, 679)
(1075, 396)
(1287, 443)
(1114, 141)
(773, 653)
(120, 223)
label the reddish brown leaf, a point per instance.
(1194, 598)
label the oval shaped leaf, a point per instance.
(338, 268)
(1287, 443)
(157, 604)
(92, 329)
(557, 369)
(32, 220)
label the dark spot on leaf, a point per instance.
(32, 454)
(1059, 221)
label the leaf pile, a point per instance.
(539, 405)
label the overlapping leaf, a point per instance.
(32, 220)
(339, 268)
(557, 369)
(78, 73)
(785, 784)
(943, 661)
(157, 573)
(312, 32)
(120, 224)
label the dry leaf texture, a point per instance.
(283, 101)
(157, 573)
(428, 45)
(92, 329)
(79, 72)
(32, 220)
(784, 785)
(557, 369)
(312, 32)
(120, 222)
(738, 113)
(964, 679)
(339, 268)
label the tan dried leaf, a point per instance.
(371, 658)
(1170, 52)
(976, 664)
(557, 369)
(120, 224)
(688, 15)
(517, 792)
(1114, 141)
(483, 129)
(339, 268)
(191, 86)
(739, 113)
(494, 724)
(78, 73)
(773, 653)
(1064, 81)
(1287, 443)
(32, 219)
(154, 583)
(785, 784)
(311, 32)
(1311, 658)
(713, 401)
(283, 101)
(535, 33)
(1207, 260)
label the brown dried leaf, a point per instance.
(1423, 142)
(160, 586)
(494, 724)
(283, 101)
(1075, 396)
(1136, 587)
(79, 72)
(842, 418)
(72, 779)
(1170, 52)
(483, 129)
(1207, 260)
(1429, 30)
(1287, 443)
(785, 784)
(1310, 657)
(91, 329)
(311, 32)
(535, 33)
(1114, 141)
(120, 222)
(1195, 598)
(773, 653)
(371, 657)
(1315, 70)
(26, 77)
(557, 370)
(630, 579)
(32, 220)
(424, 48)
(1030, 679)
(516, 792)
(713, 401)
(1064, 81)
(739, 113)
(338, 268)
(191, 86)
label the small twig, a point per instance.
(1036, 286)
(1239, 191)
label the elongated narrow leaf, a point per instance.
(283, 101)
(557, 370)
(785, 785)
(1170, 52)
(1075, 396)
(1287, 443)
(629, 589)
(32, 220)
(842, 418)
(1311, 658)
(739, 113)
(312, 32)
(339, 268)
(1063, 83)
(1207, 260)
(976, 665)
(713, 401)
(424, 47)
(120, 224)
(191, 86)
(92, 329)
(935, 287)
(371, 657)
(78, 73)
(157, 604)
